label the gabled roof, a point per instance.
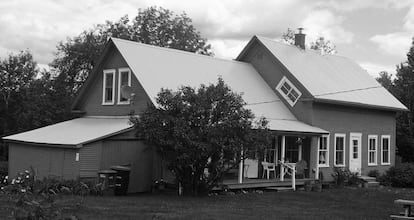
(157, 67)
(331, 78)
(74, 132)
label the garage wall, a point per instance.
(135, 153)
(46, 161)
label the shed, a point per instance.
(79, 148)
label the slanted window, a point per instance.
(323, 151)
(385, 150)
(288, 91)
(339, 150)
(372, 150)
(124, 79)
(108, 96)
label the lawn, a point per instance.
(347, 203)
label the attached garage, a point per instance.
(79, 148)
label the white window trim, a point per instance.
(334, 147)
(279, 86)
(105, 72)
(119, 85)
(375, 137)
(389, 149)
(327, 151)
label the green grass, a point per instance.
(348, 203)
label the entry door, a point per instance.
(355, 152)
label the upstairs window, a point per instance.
(288, 91)
(385, 150)
(108, 96)
(124, 79)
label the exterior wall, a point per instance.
(272, 72)
(46, 161)
(91, 102)
(342, 119)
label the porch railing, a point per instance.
(288, 168)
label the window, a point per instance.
(288, 91)
(124, 79)
(323, 155)
(385, 150)
(372, 150)
(108, 96)
(339, 150)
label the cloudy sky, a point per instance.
(375, 33)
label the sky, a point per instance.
(377, 34)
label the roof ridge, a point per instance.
(172, 50)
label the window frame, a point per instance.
(120, 70)
(342, 135)
(327, 150)
(106, 72)
(389, 149)
(292, 87)
(373, 137)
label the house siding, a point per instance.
(272, 71)
(346, 120)
(91, 102)
(46, 161)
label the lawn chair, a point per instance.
(267, 168)
(301, 166)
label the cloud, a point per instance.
(374, 68)
(325, 23)
(396, 44)
(227, 49)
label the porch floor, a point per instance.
(259, 183)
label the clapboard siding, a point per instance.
(89, 158)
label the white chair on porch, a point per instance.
(267, 168)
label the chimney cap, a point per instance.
(300, 30)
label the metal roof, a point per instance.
(157, 67)
(332, 77)
(74, 132)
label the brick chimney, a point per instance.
(300, 39)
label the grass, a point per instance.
(347, 203)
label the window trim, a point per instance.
(327, 150)
(344, 155)
(374, 137)
(105, 72)
(285, 96)
(389, 149)
(126, 69)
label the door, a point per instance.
(355, 152)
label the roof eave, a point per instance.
(357, 104)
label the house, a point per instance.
(324, 111)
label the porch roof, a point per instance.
(73, 133)
(294, 126)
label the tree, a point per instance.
(76, 57)
(325, 47)
(201, 133)
(385, 80)
(403, 89)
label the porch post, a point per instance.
(282, 158)
(317, 159)
(241, 167)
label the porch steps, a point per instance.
(279, 189)
(369, 182)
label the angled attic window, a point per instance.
(124, 79)
(288, 91)
(108, 87)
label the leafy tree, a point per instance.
(403, 89)
(76, 57)
(385, 80)
(201, 133)
(325, 47)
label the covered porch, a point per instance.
(290, 161)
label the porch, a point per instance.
(290, 161)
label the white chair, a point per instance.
(267, 168)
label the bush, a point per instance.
(399, 176)
(374, 173)
(341, 176)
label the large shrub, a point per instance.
(401, 175)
